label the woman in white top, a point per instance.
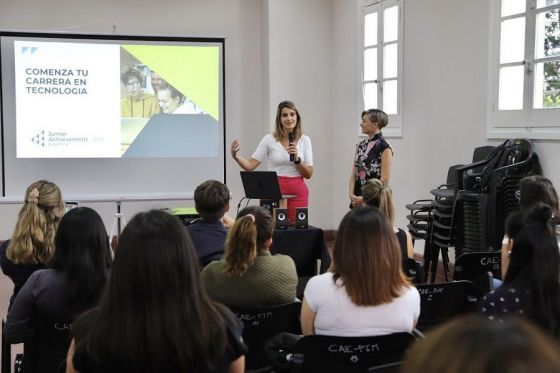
(288, 152)
(365, 293)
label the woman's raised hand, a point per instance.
(235, 148)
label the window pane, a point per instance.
(547, 38)
(390, 97)
(512, 41)
(370, 29)
(510, 7)
(543, 3)
(391, 24)
(370, 95)
(511, 88)
(370, 64)
(547, 85)
(390, 61)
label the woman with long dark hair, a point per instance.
(531, 286)
(365, 292)
(80, 268)
(249, 275)
(533, 189)
(155, 315)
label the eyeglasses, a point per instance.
(132, 84)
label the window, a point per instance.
(524, 89)
(382, 60)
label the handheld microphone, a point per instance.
(291, 141)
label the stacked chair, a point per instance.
(469, 211)
(420, 226)
(490, 195)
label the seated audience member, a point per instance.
(474, 344)
(532, 190)
(378, 194)
(249, 276)
(211, 200)
(531, 287)
(80, 268)
(155, 315)
(365, 293)
(32, 244)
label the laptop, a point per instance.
(262, 185)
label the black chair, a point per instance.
(6, 352)
(420, 225)
(441, 302)
(45, 346)
(260, 325)
(479, 268)
(414, 270)
(351, 354)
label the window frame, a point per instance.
(529, 122)
(394, 128)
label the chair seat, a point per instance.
(419, 206)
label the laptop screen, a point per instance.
(261, 185)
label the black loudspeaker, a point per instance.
(302, 217)
(281, 218)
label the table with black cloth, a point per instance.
(304, 246)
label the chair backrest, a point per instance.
(46, 347)
(351, 354)
(261, 324)
(413, 270)
(443, 301)
(6, 352)
(474, 267)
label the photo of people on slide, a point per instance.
(137, 103)
(171, 101)
(158, 118)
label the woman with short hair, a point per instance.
(365, 292)
(374, 156)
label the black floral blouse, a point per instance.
(367, 160)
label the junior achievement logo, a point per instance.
(52, 138)
(39, 139)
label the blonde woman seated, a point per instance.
(365, 293)
(249, 276)
(378, 194)
(32, 244)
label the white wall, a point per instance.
(239, 21)
(308, 51)
(300, 69)
(444, 96)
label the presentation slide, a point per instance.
(87, 100)
(111, 115)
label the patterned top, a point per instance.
(505, 301)
(367, 160)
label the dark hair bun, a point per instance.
(541, 213)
